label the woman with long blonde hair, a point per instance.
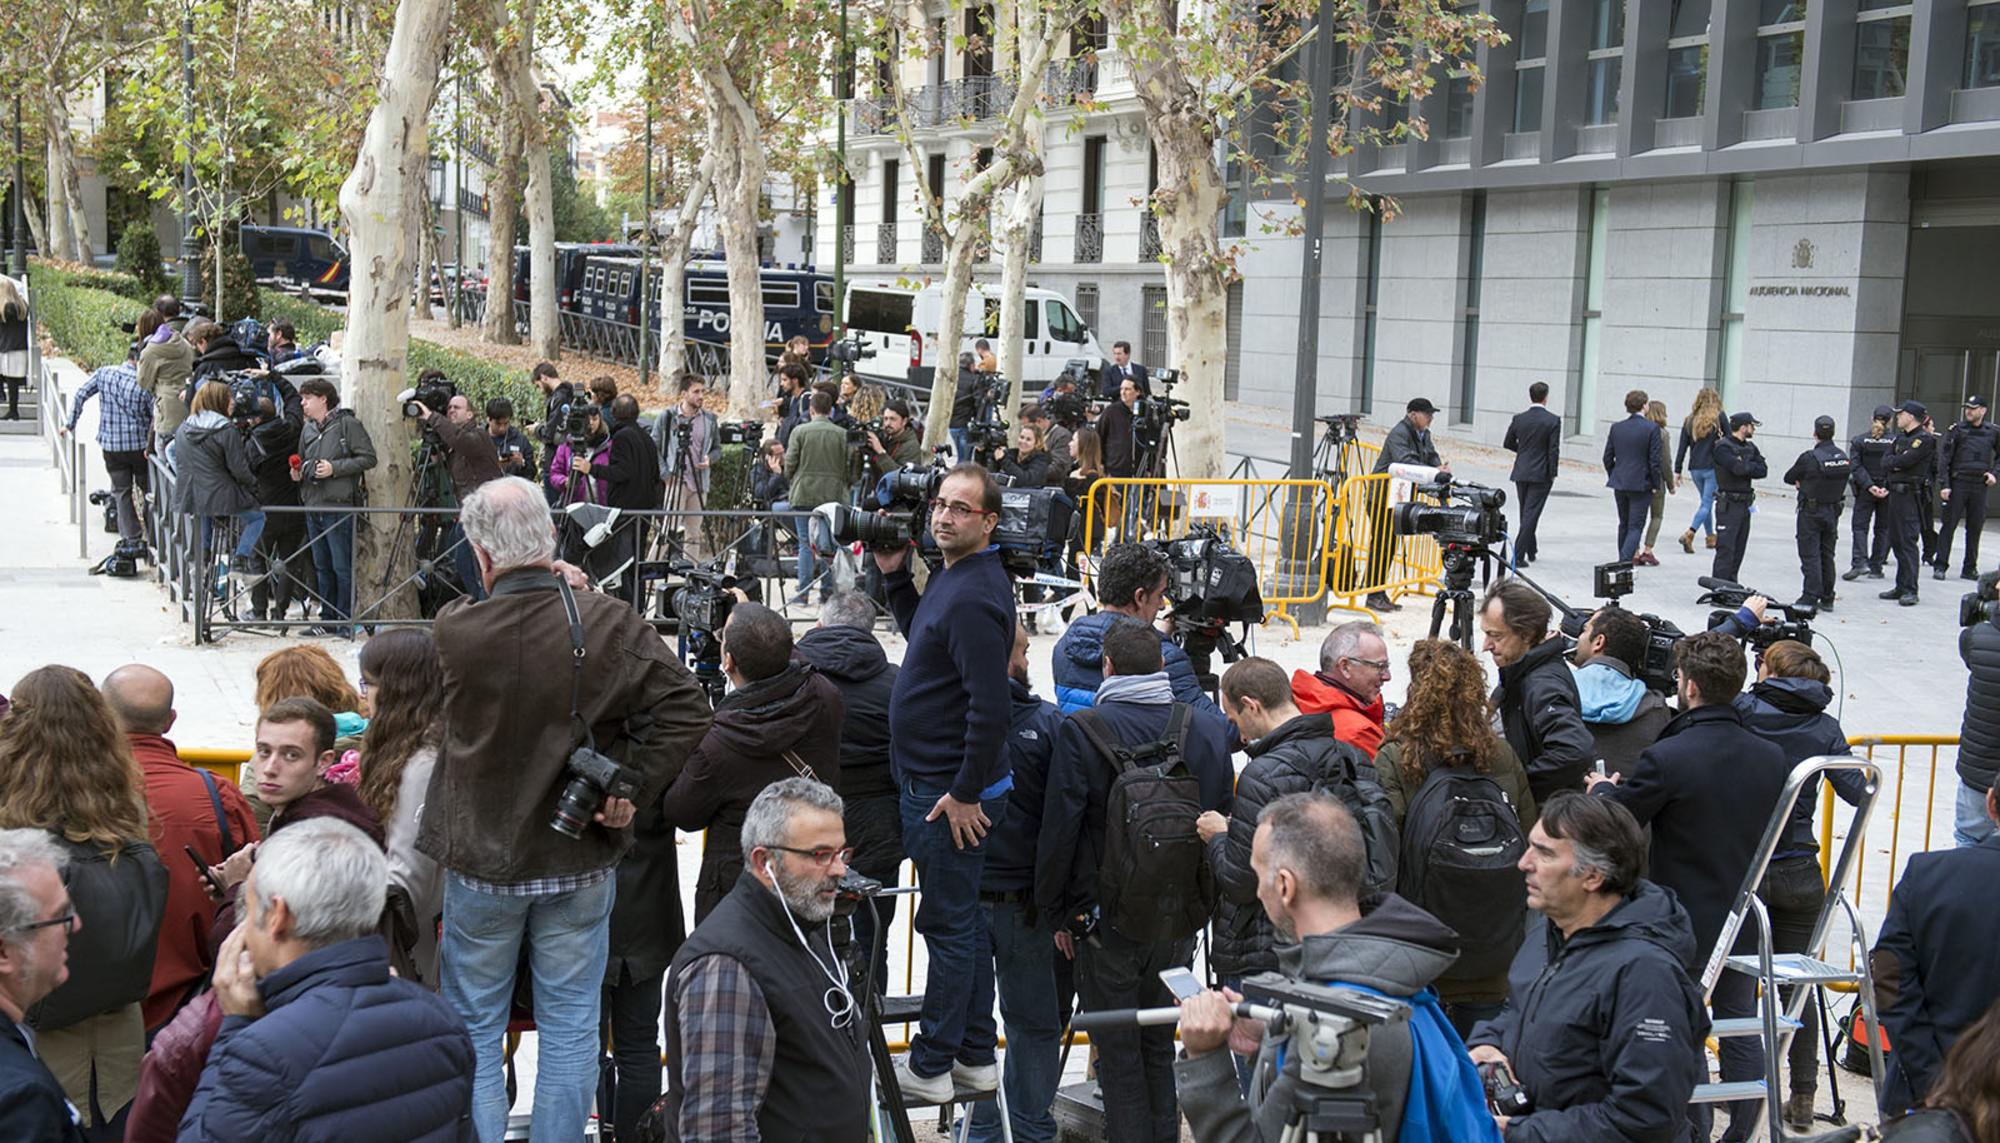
(1656, 412)
(66, 767)
(1703, 427)
(13, 343)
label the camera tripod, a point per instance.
(672, 543)
(1455, 590)
(430, 483)
(1338, 454)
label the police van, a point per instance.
(797, 301)
(292, 257)
(570, 259)
(900, 323)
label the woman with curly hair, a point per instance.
(1703, 427)
(1447, 724)
(402, 693)
(65, 767)
(307, 671)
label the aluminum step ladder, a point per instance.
(1777, 1018)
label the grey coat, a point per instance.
(214, 467)
(669, 444)
(342, 441)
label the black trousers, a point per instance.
(13, 387)
(1870, 554)
(127, 469)
(1732, 535)
(1967, 503)
(1905, 535)
(1632, 509)
(1794, 891)
(875, 830)
(1135, 1066)
(632, 1020)
(1818, 534)
(1533, 495)
(1927, 514)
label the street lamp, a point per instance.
(190, 255)
(20, 209)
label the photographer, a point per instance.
(124, 433)
(215, 478)
(897, 444)
(1624, 715)
(1131, 582)
(1537, 696)
(282, 342)
(334, 456)
(1309, 860)
(512, 725)
(1408, 442)
(948, 721)
(688, 441)
(965, 407)
(274, 440)
(781, 719)
(166, 360)
(557, 395)
(1979, 732)
(1055, 438)
(510, 445)
(769, 486)
(1028, 463)
(469, 453)
(595, 450)
(1604, 1027)
(217, 353)
(632, 483)
(816, 465)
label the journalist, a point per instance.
(1979, 730)
(1537, 696)
(469, 452)
(1623, 714)
(1708, 789)
(1308, 858)
(1604, 1026)
(215, 481)
(1116, 426)
(631, 483)
(1353, 668)
(897, 444)
(335, 455)
(166, 361)
(1408, 442)
(557, 396)
(511, 446)
(948, 720)
(217, 352)
(125, 433)
(794, 402)
(764, 1037)
(1132, 582)
(688, 441)
(816, 465)
(513, 728)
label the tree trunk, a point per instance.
(673, 273)
(35, 229)
(63, 173)
(1021, 213)
(739, 190)
(514, 77)
(503, 210)
(62, 245)
(375, 202)
(950, 333)
(426, 244)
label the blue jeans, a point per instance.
(1024, 969)
(961, 445)
(333, 561)
(246, 541)
(814, 537)
(1970, 825)
(568, 936)
(1704, 513)
(464, 562)
(957, 1024)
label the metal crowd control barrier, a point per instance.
(1918, 757)
(1367, 555)
(66, 453)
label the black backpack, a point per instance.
(1361, 792)
(1461, 842)
(1154, 881)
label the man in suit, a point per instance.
(1937, 971)
(1632, 462)
(36, 920)
(1122, 367)
(1535, 439)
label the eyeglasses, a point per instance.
(1379, 664)
(67, 921)
(823, 856)
(957, 511)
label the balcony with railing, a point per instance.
(1149, 236)
(1090, 238)
(473, 204)
(477, 148)
(933, 250)
(973, 97)
(846, 240)
(885, 243)
(1071, 80)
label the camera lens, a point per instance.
(575, 807)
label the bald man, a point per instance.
(189, 807)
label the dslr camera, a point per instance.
(1504, 1093)
(1465, 515)
(428, 398)
(1982, 602)
(592, 778)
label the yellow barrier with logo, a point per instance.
(1367, 555)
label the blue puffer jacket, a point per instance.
(1079, 668)
(343, 1052)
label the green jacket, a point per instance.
(816, 463)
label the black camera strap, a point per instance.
(580, 729)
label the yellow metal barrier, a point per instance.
(224, 763)
(1367, 555)
(1918, 754)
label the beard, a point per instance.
(803, 895)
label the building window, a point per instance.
(1735, 291)
(1464, 399)
(1530, 67)
(1583, 384)
(1086, 303)
(1687, 58)
(1458, 106)
(891, 170)
(1605, 61)
(1373, 220)
(1982, 46)
(1781, 52)
(1236, 204)
(1881, 51)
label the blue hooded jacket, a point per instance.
(1078, 663)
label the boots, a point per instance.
(1799, 1112)
(1380, 601)
(1687, 541)
(1711, 541)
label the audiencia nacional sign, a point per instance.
(1800, 291)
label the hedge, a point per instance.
(480, 379)
(82, 320)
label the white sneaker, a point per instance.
(976, 1077)
(918, 1090)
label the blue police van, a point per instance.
(293, 257)
(798, 301)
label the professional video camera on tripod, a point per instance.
(1612, 582)
(1211, 585)
(1795, 622)
(1033, 528)
(692, 601)
(1153, 420)
(1468, 525)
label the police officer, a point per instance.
(1913, 455)
(1820, 474)
(1737, 463)
(1869, 453)
(1968, 462)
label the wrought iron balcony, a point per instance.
(933, 244)
(885, 243)
(472, 204)
(1149, 236)
(1072, 79)
(1090, 238)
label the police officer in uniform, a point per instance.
(1914, 454)
(1737, 463)
(1968, 463)
(1820, 474)
(1869, 453)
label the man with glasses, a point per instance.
(1353, 667)
(948, 723)
(36, 922)
(1540, 713)
(764, 1036)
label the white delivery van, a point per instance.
(900, 323)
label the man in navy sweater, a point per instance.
(948, 725)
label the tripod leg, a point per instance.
(1437, 612)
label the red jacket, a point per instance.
(1352, 722)
(172, 1070)
(182, 814)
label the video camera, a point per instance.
(1152, 416)
(857, 433)
(1034, 522)
(1728, 597)
(430, 397)
(1341, 427)
(245, 390)
(1211, 586)
(848, 351)
(749, 434)
(697, 606)
(1982, 602)
(572, 422)
(1465, 515)
(1066, 408)
(1612, 582)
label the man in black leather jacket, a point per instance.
(1537, 696)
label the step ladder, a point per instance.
(1777, 1017)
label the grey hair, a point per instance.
(333, 878)
(22, 850)
(769, 820)
(1316, 837)
(509, 517)
(848, 609)
(1344, 642)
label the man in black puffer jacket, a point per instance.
(1979, 737)
(844, 649)
(274, 440)
(1537, 696)
(1290, 753)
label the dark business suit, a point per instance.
(1939, 974)
(1535, 439)
(1112, 376)
(1632, 461)
(32, 1104)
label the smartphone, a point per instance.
(1182, 982)
(1600, 769)
(201, 867)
